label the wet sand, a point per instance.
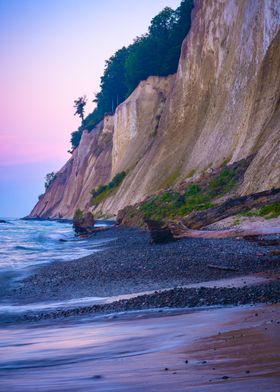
(227, 349)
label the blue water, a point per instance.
(25, 243)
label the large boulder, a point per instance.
(83, 223)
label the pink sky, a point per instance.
(53, 51)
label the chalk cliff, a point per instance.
(222, 105)
(115, 145)
(89, 166)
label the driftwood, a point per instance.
(93, 230)
(159, 232)
(275, 242)
(222, 267)
(275, 252)
(186, 227)
(197, 220)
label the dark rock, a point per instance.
(268, 242)
(225, 377)
(275, 252)
(97, 377)
(159, 232)
(83, 223)
(3, 221)
(130, 216)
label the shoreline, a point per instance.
(218, 332)
(181, 299)
(217, 349)
(156, 276)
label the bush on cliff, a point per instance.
(196, 197)
(269, 211)
(76, 138)
(172, 204)
(103, 191)
(155, 53)
(49, 179)
(79, 214)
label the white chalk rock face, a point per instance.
(89, 166)
(136, 122)
(225, 97)
(223, 104)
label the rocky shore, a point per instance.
(130, 264)
(175, 298)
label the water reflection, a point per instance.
(143, 352)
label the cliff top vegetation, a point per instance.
(155, 53)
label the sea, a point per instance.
(26, 243)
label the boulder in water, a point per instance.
(83, 223)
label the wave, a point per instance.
(26, 243)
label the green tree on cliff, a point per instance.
(79, 105)
(49, 179)
(76, 138)
(155, 53)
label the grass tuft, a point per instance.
(102, 192)
(171, 204)
(268, 211)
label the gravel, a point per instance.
(130, 264)
(175, 298)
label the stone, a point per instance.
(84, 224)
(275, 252)
(159, 232)
(97, 377)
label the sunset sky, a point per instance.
(53, 51)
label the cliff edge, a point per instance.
(221, 106)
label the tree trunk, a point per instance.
(159, 232)
(197, 220)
